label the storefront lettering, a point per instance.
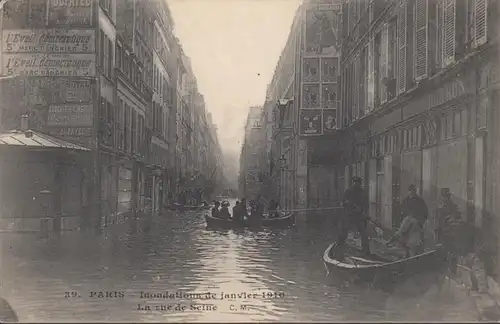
(49, 65)
(70, 115)
(448, 92)
(49, 41)
(71, 3)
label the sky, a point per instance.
(234, 46)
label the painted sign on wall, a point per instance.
(70, 13)
(47, 90)
(70, 115)
(49, 64)
(48, 41)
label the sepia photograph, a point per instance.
(249, 161)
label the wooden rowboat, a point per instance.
(177, 206)
(381, 268)
(283, 221)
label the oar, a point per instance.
(397, 239)
(310, 209)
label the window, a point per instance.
(370, 100)
(392, 60)
(110, 59)
(126, 123)
(119, 56)
(420, 62)
(448, 31)
(402, 46)
(481, 23)
(102, 50)
(383, 63)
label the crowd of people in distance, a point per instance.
(240, 211)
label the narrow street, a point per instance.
(176, 253)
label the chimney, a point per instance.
(24, 122)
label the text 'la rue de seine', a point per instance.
(206, 296)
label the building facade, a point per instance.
(300, 111)
(419, 97)
(250, 179)
(105, 75)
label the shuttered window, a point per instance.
(420, 63)
(402, 46)
(370, 99)
(356, 88)
(449, 32)
(481, 15)
(383, 65)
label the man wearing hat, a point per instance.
(448, 227)
(415, 205)
(355, 206)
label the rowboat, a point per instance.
(283, 221)
(188, 207)
(383, 267)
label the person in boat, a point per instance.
(273, 209)
(355, 207)
(237, 211)
(224, 211)
(215, 210)
(415, 205)
(447, 230)
(243, 206)
(409, 235)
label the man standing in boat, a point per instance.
(415, 206)
(447, 230)
(355, 207)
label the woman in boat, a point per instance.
(224, 211)
(215, 210)
(237, 215)
(409, 235)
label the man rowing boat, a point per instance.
(355, 206)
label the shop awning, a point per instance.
(32, 139)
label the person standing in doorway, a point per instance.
(355, 209)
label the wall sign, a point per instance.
(48, 41)
(49, 64)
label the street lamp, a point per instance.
(282, 104)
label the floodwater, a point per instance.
(66, 277)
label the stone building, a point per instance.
(302, 100)
(104, 75)
(418, 105)
(250, 180)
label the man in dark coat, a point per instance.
(448, 228)
(215, 210)
(415, 205)
(355, 207)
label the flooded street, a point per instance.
(59, 278)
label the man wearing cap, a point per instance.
(448, 228)
(415, 205)
(355, 206)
